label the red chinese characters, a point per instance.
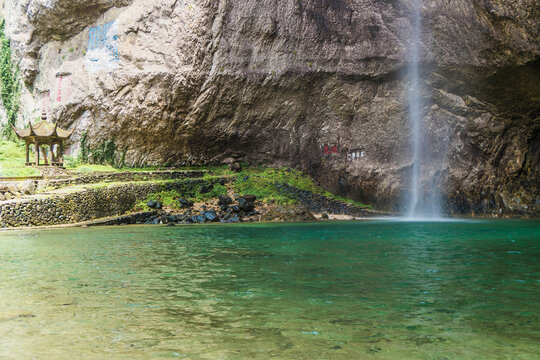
(59, 90)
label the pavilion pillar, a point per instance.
(61, 152)
(37, 153)
(51, 144)
(27, 146)
(45, 160)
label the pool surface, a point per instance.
(343, 290)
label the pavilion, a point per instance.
(44, 134)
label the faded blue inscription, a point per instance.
(102, 47)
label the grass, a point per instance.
(259, 181)
(89, 168)
(13, 160)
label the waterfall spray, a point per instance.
(421, 203)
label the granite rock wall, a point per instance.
(317, 84)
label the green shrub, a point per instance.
(9, 83)
(71, 161)
(104, 153)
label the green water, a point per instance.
(365, 290)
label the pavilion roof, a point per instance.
(43, 129)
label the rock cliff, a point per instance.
(318, 84)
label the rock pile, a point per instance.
(288, 213)
(228, 211)
(16, 189)
(320, 203)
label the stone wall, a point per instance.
(10, 190)
(83, 206)
(126, 176)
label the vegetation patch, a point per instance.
(262, 182)
(91, 168)
(105, 153)
(170, 197)
(13, 160)
(9, 83)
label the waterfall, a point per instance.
(423, 200)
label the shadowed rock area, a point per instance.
(317, 84)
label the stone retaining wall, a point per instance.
(86, 205)
(126, 176)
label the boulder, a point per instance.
(211, 216)
(198, 219)
(185, 203)
(225, 200)
(28, 187)
(250, 198)
(246, 202)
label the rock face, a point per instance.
(318, 84)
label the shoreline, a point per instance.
(180, 196)
(105, 222)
